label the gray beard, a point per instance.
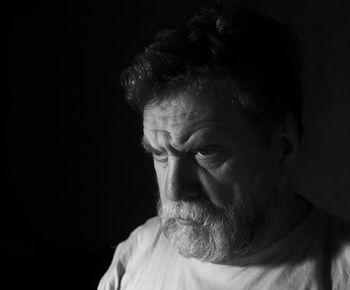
(218, 235)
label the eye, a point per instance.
(210, 156)
(160, 156)
(207, 151)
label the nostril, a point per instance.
(190, 198)
(193, 193)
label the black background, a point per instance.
(78, 181)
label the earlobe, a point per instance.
(287, 147)
(289, 141)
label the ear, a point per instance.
(289, 142)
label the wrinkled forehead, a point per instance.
(182, 106)
(203, 95)
(184, 113)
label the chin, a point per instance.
(209, 244)
(200, 230)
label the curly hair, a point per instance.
(259, 56)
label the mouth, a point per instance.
(186, 222)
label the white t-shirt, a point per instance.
(315, 255)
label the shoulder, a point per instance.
(338, 236)
(146, 233)
(341, 234)
(141, 241)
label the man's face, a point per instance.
(216, 182)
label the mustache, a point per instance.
(198, 211)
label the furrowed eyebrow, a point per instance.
(203, 139)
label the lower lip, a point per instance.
(186, 222)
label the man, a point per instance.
(221, 101)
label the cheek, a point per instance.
(232, 181)
(221, 184)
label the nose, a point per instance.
(181, 179)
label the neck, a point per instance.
(289, 213)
